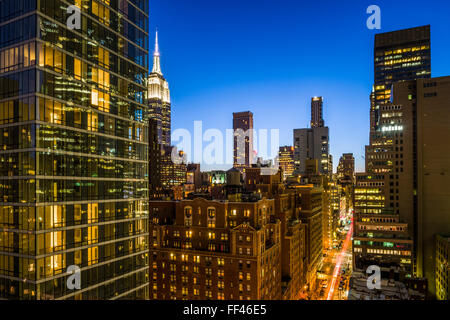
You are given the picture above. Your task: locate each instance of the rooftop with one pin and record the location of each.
(390, 289)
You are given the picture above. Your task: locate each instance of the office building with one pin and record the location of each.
(321, 182)
(442, 267)
(398, 55)
(74, 159)
(419, 175)
(243, 140)
(155, 159)
(327, 215)
(286, 161)
(173, 168)
(310, 214)
(410, 161)
(346, 169)
(293, 245)
(369, 194)
(312, 144)
(381, 239)
(317, 112)
(403, 101)
(335, 207)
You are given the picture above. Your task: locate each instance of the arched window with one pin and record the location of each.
(188, 212)
(211, 217)
(211, 213)
(188, 216)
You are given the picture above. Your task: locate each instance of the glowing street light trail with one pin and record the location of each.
(337, 269)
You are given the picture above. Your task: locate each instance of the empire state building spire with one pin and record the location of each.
(158, 87)
(156, 60)
(158, 95)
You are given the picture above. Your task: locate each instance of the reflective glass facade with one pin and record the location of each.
(399, 55)
(73, 149)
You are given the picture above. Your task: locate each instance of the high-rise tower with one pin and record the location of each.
(164, 172)
(419, 180)
(243, 139)
(313, 143)
(317, 112)
(73, 174)
(403, 102)
(399, 55)
(159, 98)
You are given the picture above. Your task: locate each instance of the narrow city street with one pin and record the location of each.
(336, 268)
(333, 278)
(338, 287)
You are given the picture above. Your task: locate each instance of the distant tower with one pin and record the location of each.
(159, 98)
(312, 143)
(286, 160)
(346, 169)
(317, 112)
(243, 129)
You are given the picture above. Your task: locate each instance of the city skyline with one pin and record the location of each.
(292, 77)
(300, 151)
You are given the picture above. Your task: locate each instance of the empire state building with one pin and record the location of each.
(159, 99)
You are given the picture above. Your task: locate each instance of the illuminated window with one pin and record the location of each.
(101, 12)
(77, 69)
(94, 97)
(211, 213)
(92, 255)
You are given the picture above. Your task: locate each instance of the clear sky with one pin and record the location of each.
(272, 56)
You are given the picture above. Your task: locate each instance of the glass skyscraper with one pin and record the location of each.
(398, 56)
(73, 149)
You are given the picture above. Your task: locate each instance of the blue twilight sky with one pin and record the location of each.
(272, 56)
